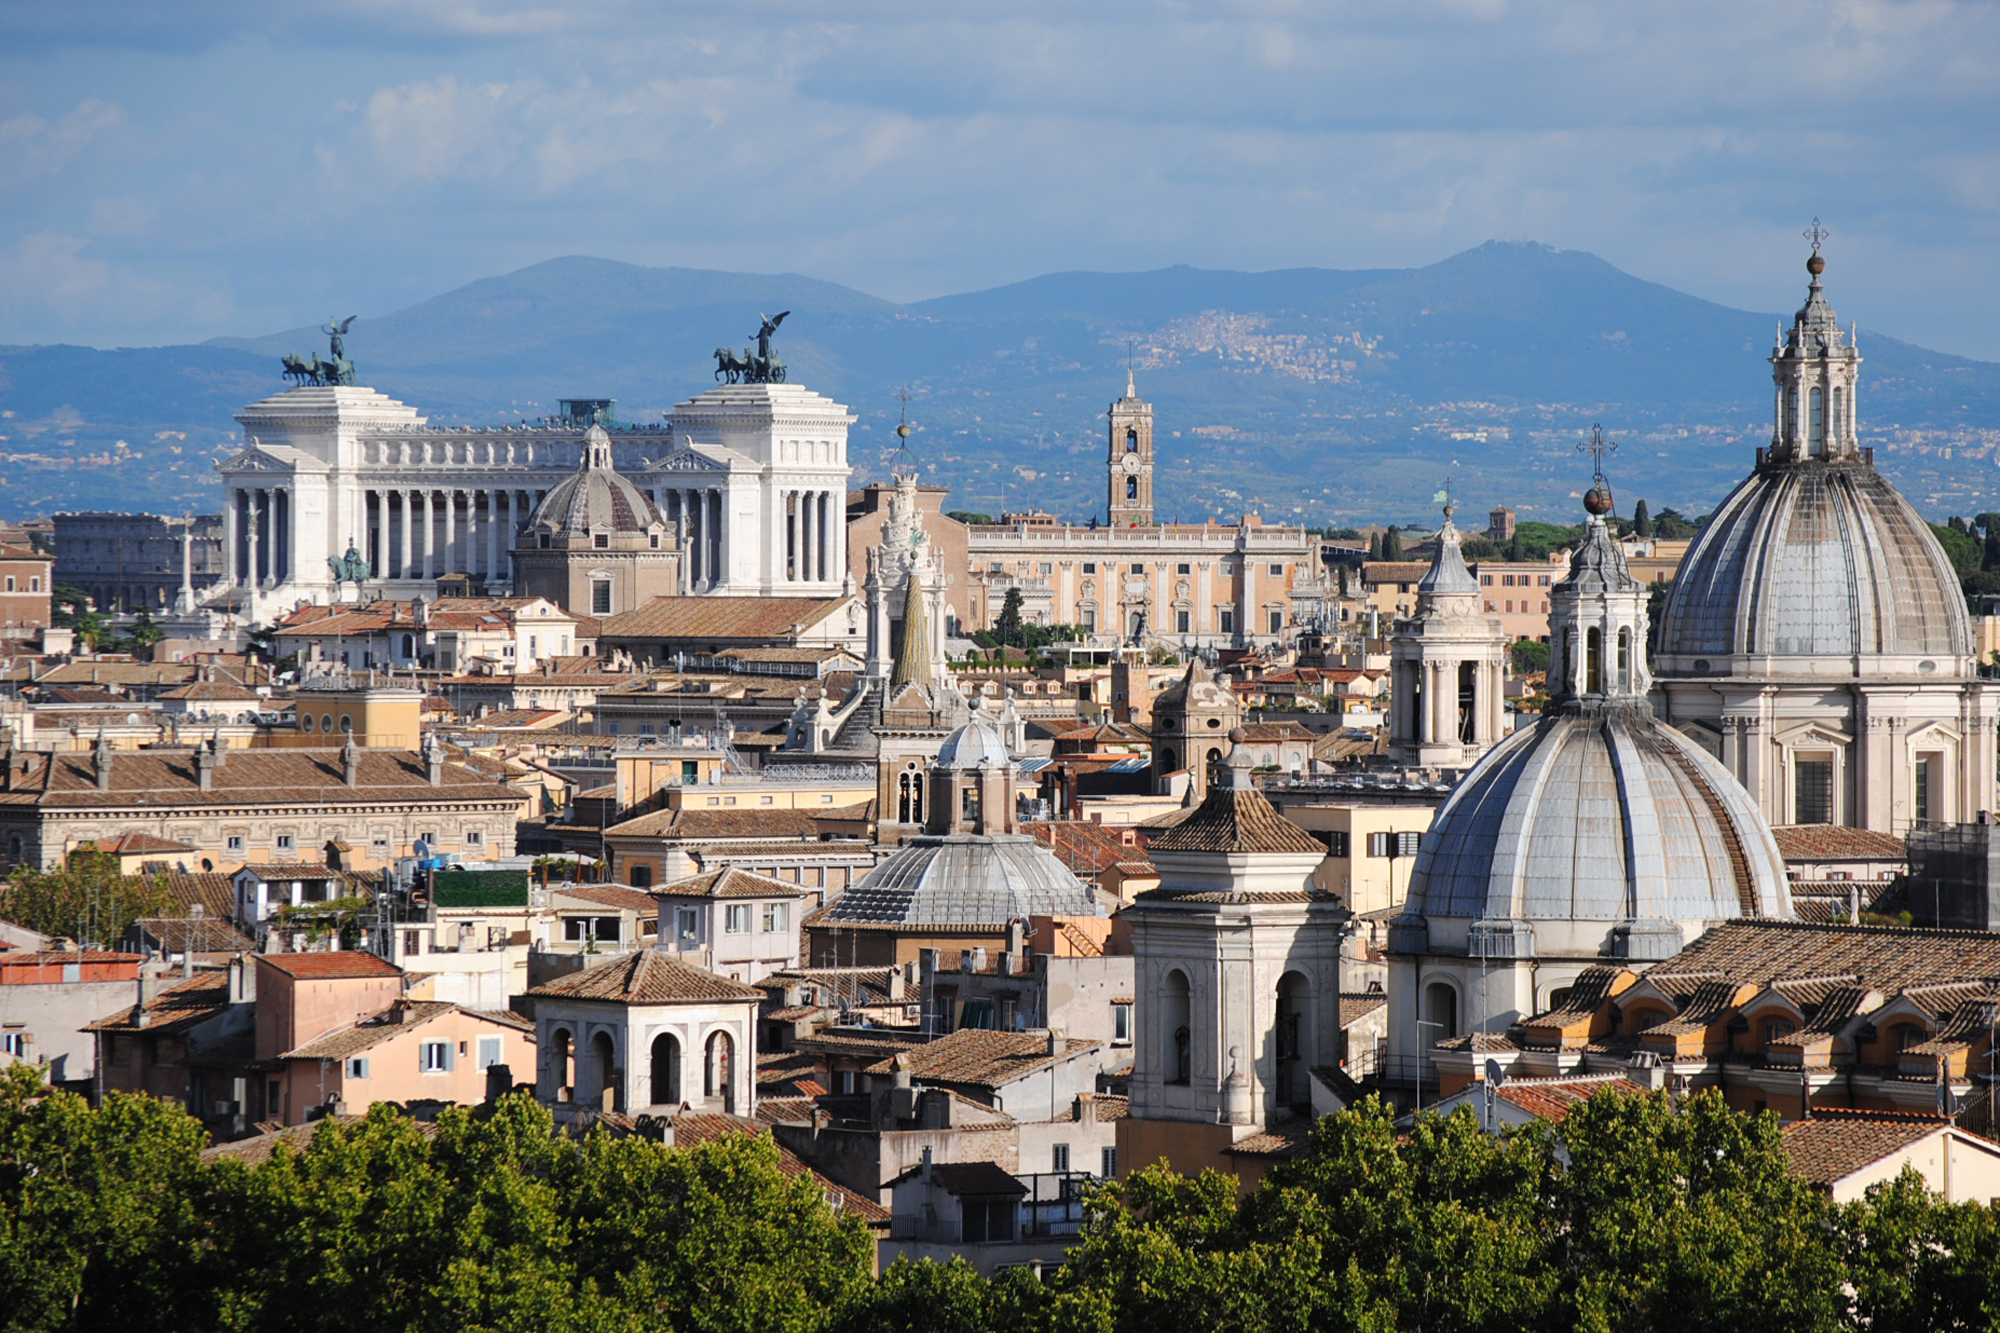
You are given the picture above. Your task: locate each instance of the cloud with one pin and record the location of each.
(31, 147)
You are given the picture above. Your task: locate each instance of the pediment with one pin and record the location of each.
(692, 457)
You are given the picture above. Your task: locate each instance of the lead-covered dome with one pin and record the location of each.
(964, 879)
(595, 499)
(1814, 558)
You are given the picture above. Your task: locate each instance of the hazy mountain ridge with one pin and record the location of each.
(1317, 394)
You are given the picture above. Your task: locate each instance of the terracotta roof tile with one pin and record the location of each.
(1837, 842)
(1552, 1099)
(200, 997)
(1833, 1145)
(980, 1058)
(1885, 958)
(720, 618)
(167, 778)
(329, 966)
(610, 895)
(968, 1178)
(1354, 1007)
(647, 976)
(692, 1128)
(1230, 820)
(1285, 1141)
(728, 882)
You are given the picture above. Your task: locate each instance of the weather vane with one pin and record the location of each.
(1816, 234)
(1597, 447)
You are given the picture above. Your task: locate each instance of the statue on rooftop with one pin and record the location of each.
(763, 366)
(301, 371)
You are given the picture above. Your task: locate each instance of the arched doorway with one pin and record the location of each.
(1176, 1030)
(719, 1079)
(1440, 1008)
(666, 1070)
(1292, 1038)
(603, 1072)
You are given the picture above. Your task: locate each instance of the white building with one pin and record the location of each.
(751, 477)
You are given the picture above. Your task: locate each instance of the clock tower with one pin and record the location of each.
(1131, 459)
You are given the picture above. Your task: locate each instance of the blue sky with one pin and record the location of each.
(173, 172)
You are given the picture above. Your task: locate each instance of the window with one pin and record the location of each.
(1182, 620)
(14, 1044)
(1928, 805)
(1089, 621)
(1336, 844)
(1277, 571)
(1812, 790)
(1394, 844)
(284, 842)
(413, 942)
(489, 1052)
(1090, 566)
(1817, 424)
(1138, 569)
(600, 597)
(1109, 1160)
(435, 1057)
(1277, 622)
(235, 842)
(1225, 620)
(10, 583)
(1486, 580)
(642, 877)
(1131, 440)
(1121, 1021)
(35, 584)
(736, 920)
(473, 837)
(1177, 1018)
(776, 918)
(1046, 569)
(601, 540)
(357, 1067)
(685, 927)
(1059, 1157)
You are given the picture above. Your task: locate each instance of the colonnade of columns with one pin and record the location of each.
(696, 516)
(257, 535)
(1453, 702)
(424, 533)
(810, 518)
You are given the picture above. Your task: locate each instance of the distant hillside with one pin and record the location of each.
(1316, 394)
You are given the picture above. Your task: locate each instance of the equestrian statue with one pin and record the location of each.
(339, 370)
(763, 366)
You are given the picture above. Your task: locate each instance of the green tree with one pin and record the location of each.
(1517, 547)
(1374, 546)
(88, 899)
(1672, 526)
(1530, 658)
(1642, 522)
(144, 632)
(1918, 1263)
(1008, 627)
(1966, 555)
(970, 517)
(1392, 544)
(101, 1218)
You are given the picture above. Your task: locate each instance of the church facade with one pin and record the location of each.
(750, 480)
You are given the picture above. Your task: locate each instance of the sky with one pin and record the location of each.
(174, 172)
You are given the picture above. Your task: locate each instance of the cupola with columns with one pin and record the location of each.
(1447, 663)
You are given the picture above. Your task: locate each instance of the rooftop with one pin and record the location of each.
(1832, 1145)
(647, 977)
(981, 1058)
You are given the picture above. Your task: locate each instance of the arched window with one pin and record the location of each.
(603, 1073)
(1817, 426)
(1441, 1008)
(1625, 660)
(1131, 440)
(1839, 431)
(1131, 488)
(1293, 1040)
(1177, 1055)
(1169, 761)
(718, 1077)
(1792, 415)
(1593, 664)
(1565, 667)
(666, 1071)
(559, 1064)
(903, 798)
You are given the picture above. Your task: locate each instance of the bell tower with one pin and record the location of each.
(1131, 459)
(1814, 368)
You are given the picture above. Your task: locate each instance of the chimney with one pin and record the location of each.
(499, 1081)
(897, 981)
(1086, 1108)
(924, 1167)
(1058, 1044)
(239, 972)
(207, 758)
(434, 759)
(979, 959)
(1017, 936)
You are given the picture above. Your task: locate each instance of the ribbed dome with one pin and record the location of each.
(961, 880)
(979, 741)
(1599, 814)
(1814, 558)
(595, 498)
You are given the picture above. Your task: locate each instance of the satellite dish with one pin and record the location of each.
(1495, 1076)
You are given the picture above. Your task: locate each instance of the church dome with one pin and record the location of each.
(964, 879)
(1814, 558)
(1598, 830)
(595, 498)
(1815, 555)
(979, 741)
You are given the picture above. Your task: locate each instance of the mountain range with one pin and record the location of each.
(1318, 395)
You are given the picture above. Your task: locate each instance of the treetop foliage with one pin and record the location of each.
(1636, 1213)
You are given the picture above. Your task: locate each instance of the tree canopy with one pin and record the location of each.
(89, 899)
(1637, 1212)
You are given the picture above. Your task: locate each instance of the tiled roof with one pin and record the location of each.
(1284, 1141)
(609, 895)
(1112, 1108)
(720, 618)
(137, 844)
(980, 1058)
(1837, 842)
(1354, 1007)
(211, 891)
(1552, 1099)
(878, 1044)
(647, 977)
(195, 934)
(1394, 571)
(1833, 1145)
(330, 966)
(1886, 958)
(167, 778)
(201, 996)
(728, 882)
(732, 824)
(298, 870)
(967, 1179)
(1232, 820)
(824, 849)
(403, 1016)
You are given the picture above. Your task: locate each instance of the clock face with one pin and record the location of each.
(1131, 463)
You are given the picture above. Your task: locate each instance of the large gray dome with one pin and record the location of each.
(964, 879)
(595, 499)
(1814, 558)
(1601, 817)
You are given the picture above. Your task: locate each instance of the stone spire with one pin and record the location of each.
(1448, 576)
(1815, 367)
(913, 655)
(1597, 621)
(1447, 666)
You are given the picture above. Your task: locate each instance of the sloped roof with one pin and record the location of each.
(728, 882)
(1552, 1099)
(1235, 820)
(200, 997)
(647, 977)
(1837, 842)
(609, 895)
(967, 1178)
(346, 963)
(720, 618)
(1832, 1145)
(168, 778)
(981, 1058)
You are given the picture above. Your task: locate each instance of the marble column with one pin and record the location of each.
(448, 556)
(231, 533)
(407, 532)
(719, 534)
